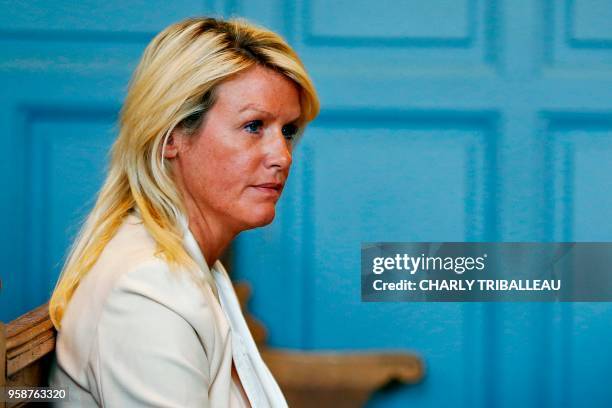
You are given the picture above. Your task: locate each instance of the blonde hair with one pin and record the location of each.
(173, 86)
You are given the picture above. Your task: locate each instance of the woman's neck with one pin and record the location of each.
(211, 237)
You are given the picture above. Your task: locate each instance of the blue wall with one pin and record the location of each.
(464, 120)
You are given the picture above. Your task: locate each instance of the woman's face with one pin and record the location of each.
(232, 171)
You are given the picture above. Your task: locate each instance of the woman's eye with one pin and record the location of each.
(289, 131)
(253, 126)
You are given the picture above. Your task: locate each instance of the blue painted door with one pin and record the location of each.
(442, 120)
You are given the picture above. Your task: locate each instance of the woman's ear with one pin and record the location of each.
(170, 149)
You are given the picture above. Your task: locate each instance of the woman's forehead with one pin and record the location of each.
(262, 90)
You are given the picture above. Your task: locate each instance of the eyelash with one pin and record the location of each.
(249, 126)
(288, 131)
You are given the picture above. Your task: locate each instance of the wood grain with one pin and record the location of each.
(28, 321)
(26, 348)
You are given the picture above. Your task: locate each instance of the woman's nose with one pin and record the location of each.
(278, 152)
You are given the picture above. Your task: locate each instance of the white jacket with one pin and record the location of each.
(136, 334)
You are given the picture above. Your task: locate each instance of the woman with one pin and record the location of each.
(146, 314)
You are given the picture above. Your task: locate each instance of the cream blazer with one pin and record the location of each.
(137, 334)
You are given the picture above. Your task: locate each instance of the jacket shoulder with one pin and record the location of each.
(129, 273)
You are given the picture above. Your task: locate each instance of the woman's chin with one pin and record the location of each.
(261, 217)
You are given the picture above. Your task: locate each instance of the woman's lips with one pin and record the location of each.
(269, 189)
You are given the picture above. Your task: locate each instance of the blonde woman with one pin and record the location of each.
(145, 312)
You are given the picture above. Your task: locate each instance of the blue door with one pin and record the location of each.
(442, 120)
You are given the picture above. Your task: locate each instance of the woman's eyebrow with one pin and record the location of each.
(251, 107)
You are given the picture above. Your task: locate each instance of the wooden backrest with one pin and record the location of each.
(328, 379)
(26, 346)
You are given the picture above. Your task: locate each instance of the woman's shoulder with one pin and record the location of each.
(131, 249)
(130, 262)
(128, 286)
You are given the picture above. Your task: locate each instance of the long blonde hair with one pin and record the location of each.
(173, 86)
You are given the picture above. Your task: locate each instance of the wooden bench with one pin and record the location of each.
(338, 380)
(26, 346)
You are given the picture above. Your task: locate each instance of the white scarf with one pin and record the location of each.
(257, 381)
